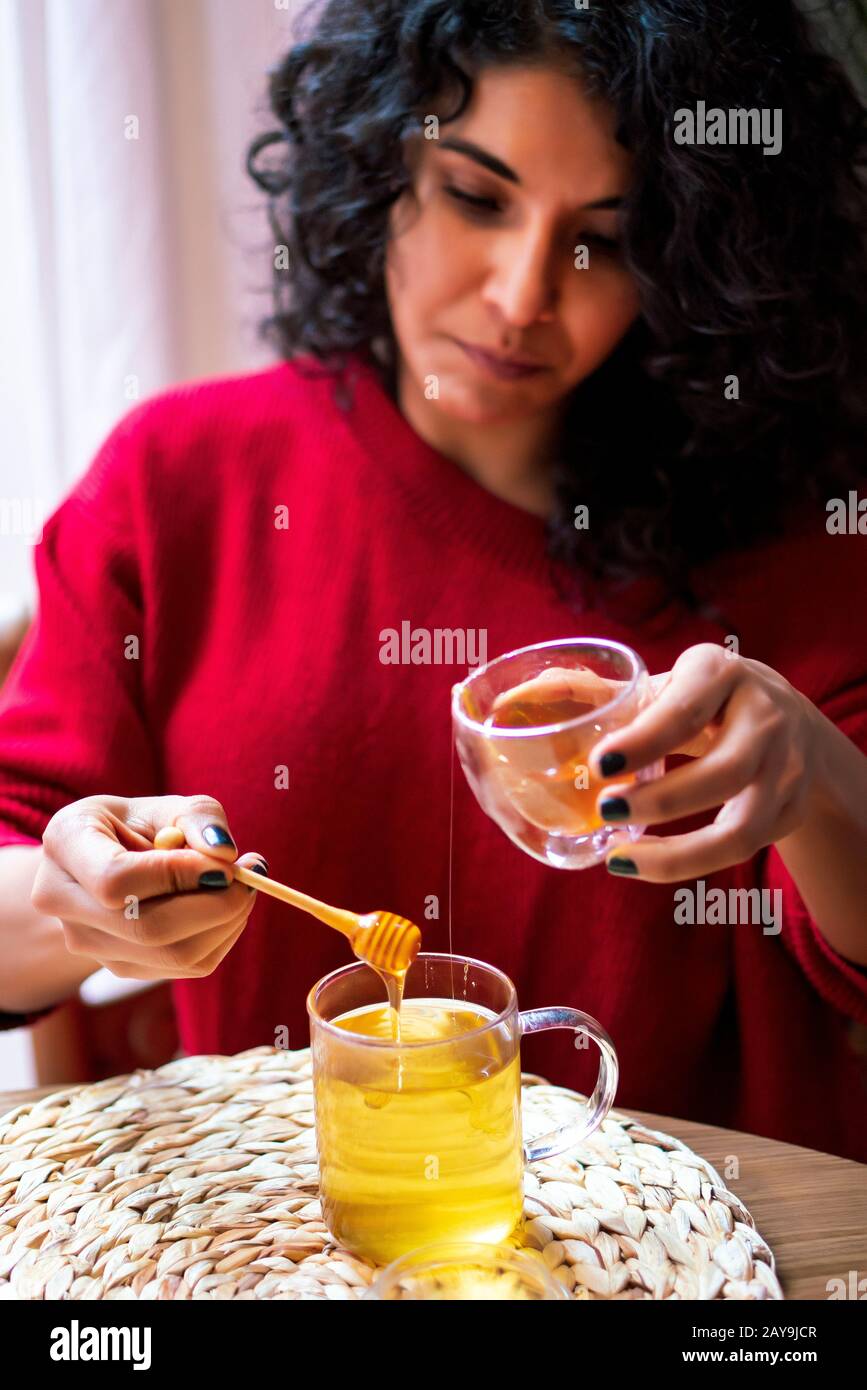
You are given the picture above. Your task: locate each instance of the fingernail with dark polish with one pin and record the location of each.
(214, 878)
(258, 869)
(614, 808)
(617, 864)
(217, 835)
(612, 763)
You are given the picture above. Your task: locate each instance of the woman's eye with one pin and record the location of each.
(474, 200)
(602, 243)
(476, 203)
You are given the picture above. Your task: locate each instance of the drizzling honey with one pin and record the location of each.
(394, 984)
(388, 944)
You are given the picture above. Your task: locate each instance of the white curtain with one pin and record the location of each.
(135, 248)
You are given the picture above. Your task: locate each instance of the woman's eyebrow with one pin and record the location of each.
(481, 156)
(503, 171)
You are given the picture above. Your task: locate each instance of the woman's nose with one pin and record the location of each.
(520, 284)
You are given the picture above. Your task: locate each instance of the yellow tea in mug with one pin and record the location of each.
(419, 1145)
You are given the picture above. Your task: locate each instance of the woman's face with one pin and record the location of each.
(482, 250)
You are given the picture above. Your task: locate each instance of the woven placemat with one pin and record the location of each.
(199, 1180)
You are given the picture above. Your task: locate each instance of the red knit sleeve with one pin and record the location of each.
(840, 982)
(71, 709)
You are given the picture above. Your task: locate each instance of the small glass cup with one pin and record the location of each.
(525, 725)
(466, 1271)
(421, 1142)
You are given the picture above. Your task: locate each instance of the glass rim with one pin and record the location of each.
(467, 721)
(360, 1040)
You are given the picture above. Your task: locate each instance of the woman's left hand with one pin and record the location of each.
(755, 741)
(778, 768)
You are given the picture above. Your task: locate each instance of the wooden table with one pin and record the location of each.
(810, 1207)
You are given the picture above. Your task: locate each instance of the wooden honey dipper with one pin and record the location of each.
(381, 939)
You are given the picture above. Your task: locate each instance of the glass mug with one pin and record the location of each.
(421, 1141)
(527, 759)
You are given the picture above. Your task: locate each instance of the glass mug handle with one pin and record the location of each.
(602, 1099)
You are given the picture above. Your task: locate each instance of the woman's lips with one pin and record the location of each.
(506, 369)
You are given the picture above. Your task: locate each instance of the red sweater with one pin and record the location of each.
(260, 650)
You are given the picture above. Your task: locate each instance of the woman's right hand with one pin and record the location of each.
(141, 912)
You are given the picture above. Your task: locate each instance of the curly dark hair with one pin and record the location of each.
(747, 264)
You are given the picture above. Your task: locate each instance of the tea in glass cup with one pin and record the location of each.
(525, 727)
(420, 1141)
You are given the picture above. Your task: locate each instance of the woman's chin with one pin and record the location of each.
(486, 405)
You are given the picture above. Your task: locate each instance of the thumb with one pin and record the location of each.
(116, 847)
(205, 827)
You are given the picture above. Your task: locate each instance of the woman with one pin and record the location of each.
(505, 293)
